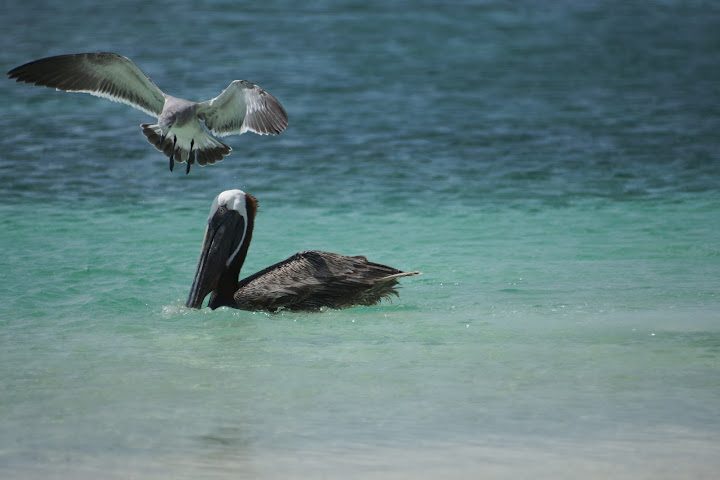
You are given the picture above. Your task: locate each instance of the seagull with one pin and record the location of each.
(179, 132)
(307, 281)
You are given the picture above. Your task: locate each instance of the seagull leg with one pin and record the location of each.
(172, 155)
(190, 156)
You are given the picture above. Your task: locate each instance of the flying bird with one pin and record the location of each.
(179, 132)
(307, 281)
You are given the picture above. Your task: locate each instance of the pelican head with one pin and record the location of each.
(224, 248)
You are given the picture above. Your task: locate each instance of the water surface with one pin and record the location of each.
(553, 171)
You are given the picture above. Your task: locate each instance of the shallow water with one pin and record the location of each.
(553, 172)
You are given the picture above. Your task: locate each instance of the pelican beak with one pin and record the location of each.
(219, 247)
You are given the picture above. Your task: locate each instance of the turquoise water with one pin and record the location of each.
(553, 172)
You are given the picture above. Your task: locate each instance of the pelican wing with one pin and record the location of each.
(313, 279)
(102, 74)
(242, 107)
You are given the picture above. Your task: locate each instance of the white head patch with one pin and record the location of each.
(230, 199)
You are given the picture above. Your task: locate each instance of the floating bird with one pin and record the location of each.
(306, 281)
(178, 133)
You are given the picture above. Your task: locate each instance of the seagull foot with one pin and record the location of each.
(191, 158)
(172, 155)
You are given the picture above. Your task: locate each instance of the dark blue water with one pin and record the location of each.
(552, 170)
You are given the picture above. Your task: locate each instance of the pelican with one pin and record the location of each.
(178, 133)
(307, 281)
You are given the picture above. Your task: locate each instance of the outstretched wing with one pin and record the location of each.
(242, 107)
(102, 74)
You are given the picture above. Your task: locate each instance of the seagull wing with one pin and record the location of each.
(242, 107)
(102, 74)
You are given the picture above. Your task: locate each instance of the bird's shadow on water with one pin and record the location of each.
(225, 437)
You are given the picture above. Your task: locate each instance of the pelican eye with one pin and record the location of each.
(222, 210)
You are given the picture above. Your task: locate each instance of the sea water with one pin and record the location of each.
(552, 169)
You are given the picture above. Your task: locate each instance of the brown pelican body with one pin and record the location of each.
(306, 281)
(179, 132)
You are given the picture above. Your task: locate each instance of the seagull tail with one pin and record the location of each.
(207, 148)
(154, 135)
